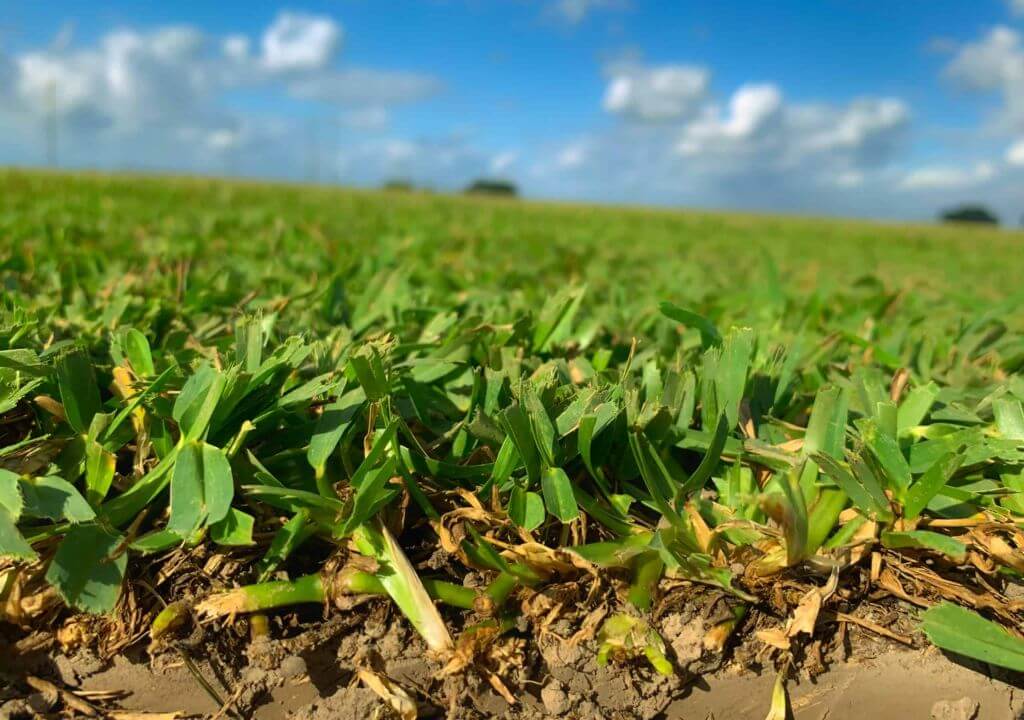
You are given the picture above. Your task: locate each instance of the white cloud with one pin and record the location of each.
(760, 132)
(995, 63)
(990, 63)
(503, 161)
(399, 150)
(753, 148)
(1015, 154)
(129, 79)
(365, 86)
(856, 125)
(223, 139)
(368, 118)
(849, 179)
(948, 177)
(752, 109)
(62, 40)
(236, 47)
(448, 162)
(297, 41)
(1016, 7)
(158, 98)
(572, 156)
(574, 12)
(659, 93)
(8, 73)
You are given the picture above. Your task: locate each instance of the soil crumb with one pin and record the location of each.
(351, 703)
(898, 685)
(314, 674)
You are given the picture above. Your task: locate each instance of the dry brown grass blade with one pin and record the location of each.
(972, 521)
(806, 614)
(27, 597)
(589, 627)
(860, 544)
(450, 530)
(714, 639)
(51, 406)
(390, 692)
(869, 625)
(229, 703)
(101, 695)
(891, 584)
(775, 637)
(500, 687)
(549, 562)
(1000, 550)
(70, 700)
(953, 590)
(898, 384)
(470, 645)
(746, 420)
(876, 566)
(700, 528)
(33, 642)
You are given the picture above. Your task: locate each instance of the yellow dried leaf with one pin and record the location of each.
(700, 528)
(715, 638)
(806, 614)
(51, 406)
(999, 549)
(391, 693)
(776, 637)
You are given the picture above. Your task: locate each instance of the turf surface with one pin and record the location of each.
(725, 399)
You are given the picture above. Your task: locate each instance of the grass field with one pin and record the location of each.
(529, 412)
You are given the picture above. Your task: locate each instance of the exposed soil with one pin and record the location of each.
(313, 673)
(864, 657)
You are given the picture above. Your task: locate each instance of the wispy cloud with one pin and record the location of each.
(948, 177)
(575, 12)
(160, 96)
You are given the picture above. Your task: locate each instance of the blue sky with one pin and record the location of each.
(885, 109)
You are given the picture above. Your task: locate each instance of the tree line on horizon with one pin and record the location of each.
(965, 213)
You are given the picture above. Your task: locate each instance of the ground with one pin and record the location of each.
(478, 338)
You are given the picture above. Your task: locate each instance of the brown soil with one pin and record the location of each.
(312, 674)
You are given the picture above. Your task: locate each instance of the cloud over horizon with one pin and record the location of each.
(158, 93)
(280, 99)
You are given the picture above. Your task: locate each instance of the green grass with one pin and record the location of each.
(186, 361)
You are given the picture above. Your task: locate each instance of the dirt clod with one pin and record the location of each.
(555, 699)
(292, 666)
(350, 703)
(963, 709)
(41, 702)
(66, 670)
(685, 637)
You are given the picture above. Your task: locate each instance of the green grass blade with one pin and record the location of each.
(967, 633)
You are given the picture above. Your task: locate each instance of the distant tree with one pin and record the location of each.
(970, 214)
(487, 186)
(399, 185)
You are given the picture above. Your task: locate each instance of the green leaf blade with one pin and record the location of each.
(558, 495)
